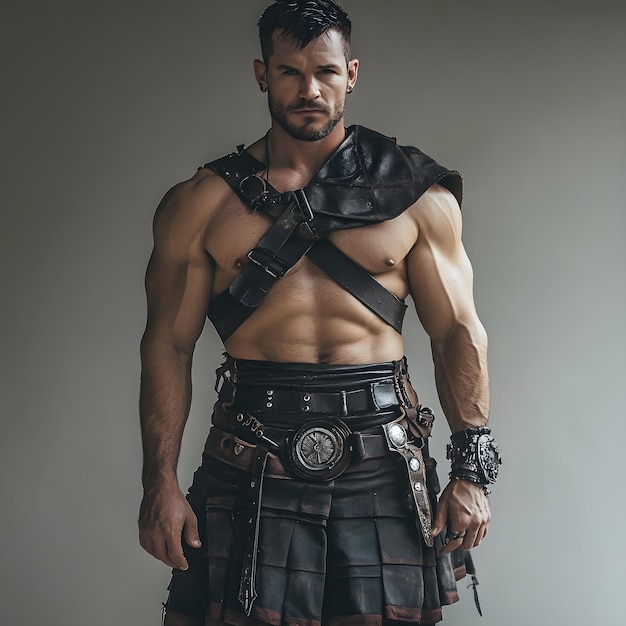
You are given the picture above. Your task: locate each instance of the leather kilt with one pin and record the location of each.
(344, 550)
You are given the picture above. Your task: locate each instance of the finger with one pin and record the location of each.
(440, 518)
(190, 531)
(146, 543)
(174, 553)
(482, 531)
(451, 545)
(470, 537)
(453, 538)
(155, 548)
(158, 550)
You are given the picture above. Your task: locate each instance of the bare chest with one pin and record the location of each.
(380, 248)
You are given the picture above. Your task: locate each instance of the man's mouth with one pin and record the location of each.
(309, 111)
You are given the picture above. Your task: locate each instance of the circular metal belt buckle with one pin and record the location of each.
(319, 450)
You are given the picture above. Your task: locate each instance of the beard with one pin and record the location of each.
(310, 129)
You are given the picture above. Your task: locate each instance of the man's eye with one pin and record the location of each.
(290, 72)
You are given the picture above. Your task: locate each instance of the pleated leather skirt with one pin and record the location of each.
(348, 551)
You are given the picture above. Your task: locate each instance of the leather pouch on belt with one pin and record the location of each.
(419, 419)
(397, 441)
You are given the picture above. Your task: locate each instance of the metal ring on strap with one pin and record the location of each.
(248, 187)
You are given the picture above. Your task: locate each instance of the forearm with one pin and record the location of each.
(461, 376)
(164, 404)
(463, 386)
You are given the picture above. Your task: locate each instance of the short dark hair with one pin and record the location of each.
(303, 21)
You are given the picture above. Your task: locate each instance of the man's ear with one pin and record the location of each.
(353, 72)
(260, 74)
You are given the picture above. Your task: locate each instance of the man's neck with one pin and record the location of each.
(288, 153)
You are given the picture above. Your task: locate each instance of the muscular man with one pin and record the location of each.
(315, 502)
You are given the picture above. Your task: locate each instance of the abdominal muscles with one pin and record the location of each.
(308, 318)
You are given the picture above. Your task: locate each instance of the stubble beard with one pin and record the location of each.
(306, 132)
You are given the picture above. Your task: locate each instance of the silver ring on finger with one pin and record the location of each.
(452, 535)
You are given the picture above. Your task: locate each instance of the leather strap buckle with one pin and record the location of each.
(303, 205)
(269, 262)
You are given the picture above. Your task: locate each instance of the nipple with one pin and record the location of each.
(239, 263)
(389, 262)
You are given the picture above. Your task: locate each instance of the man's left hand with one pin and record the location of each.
(464, 509)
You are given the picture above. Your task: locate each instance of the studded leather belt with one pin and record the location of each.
(372, 397)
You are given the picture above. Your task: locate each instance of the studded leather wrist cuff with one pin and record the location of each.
(474, 456)
(471, 478)
(465, 474)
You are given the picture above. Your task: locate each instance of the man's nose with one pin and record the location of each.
(309, 88)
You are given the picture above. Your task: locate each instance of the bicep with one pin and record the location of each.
(178, 280)
(439, 271)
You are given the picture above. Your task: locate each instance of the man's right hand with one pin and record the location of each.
(165, 519)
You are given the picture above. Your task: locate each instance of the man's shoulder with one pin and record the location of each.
(383, 141)
(384, 155)
(437, 214)
(194, 199)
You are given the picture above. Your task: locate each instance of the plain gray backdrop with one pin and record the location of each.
(105, 105)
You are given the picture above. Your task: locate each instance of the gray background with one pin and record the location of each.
(107, 104)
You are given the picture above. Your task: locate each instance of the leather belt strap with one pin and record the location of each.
(372, 397)
(237, 452)
(397, 440)
(247, 587)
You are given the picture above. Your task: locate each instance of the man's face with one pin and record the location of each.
(307, 88)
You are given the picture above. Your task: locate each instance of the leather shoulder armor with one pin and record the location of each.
(370, 179)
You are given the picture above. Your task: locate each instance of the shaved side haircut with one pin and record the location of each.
(303, 21)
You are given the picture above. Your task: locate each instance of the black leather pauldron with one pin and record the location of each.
(371, 179)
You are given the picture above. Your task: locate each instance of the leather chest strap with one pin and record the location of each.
(273, 257)
(356, 281)
(239, 170)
